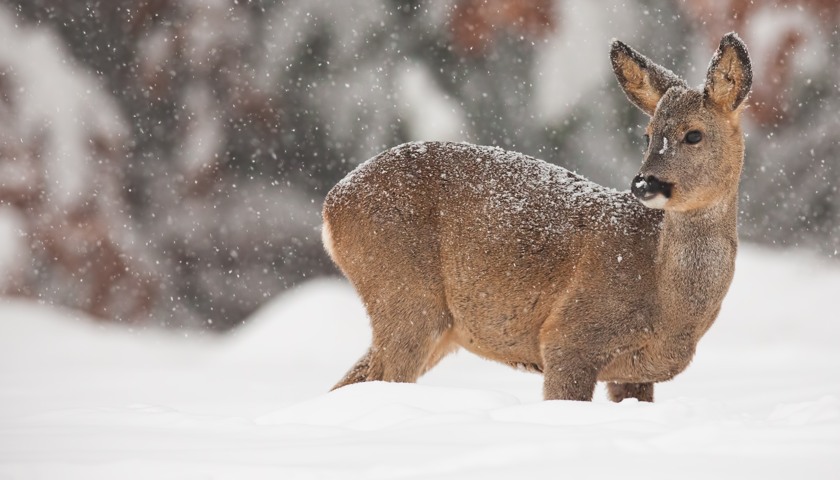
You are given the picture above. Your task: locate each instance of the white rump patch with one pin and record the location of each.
(327, 239)
(657, 202)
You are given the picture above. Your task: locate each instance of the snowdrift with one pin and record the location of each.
(84, 400)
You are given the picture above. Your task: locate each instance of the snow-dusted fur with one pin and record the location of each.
(454, 245)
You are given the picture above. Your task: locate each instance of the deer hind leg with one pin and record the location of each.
(410, 335)
(360, 372)
(641, 391)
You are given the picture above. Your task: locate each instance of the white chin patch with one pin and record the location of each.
(657, 202)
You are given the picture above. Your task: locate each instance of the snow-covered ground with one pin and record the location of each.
(81, 400)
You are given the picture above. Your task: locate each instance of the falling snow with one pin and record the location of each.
(175, 157)
(163, 167)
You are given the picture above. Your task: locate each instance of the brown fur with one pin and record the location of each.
(455, 245)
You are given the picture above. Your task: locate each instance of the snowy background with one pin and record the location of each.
(166, 308)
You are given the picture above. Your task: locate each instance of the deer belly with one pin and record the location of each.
(511, 337)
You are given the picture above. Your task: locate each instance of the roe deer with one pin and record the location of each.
(454, 245)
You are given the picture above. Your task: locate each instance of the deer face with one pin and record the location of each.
(695, 145)
(694, 154)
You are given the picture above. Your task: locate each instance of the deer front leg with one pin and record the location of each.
(568, 374)
(574, 350)
(641, 391)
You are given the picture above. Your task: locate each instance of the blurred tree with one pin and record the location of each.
(212, 129)
(791, 173)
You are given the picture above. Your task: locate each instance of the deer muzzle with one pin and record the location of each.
(651, 191)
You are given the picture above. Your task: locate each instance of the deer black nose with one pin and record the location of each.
(645, 188)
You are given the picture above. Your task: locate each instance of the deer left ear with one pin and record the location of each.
(729, 78)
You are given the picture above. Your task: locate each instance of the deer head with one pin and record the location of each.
(695, 147)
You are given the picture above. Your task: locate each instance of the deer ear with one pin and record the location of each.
(729, 78)
(643, 81)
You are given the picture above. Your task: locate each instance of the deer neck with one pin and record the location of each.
(695, 259)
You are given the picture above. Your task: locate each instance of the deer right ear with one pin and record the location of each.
(643, 81)
(729, 78)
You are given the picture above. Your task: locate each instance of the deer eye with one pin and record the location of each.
(693, 136)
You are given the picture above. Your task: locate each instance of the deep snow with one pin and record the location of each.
(81, 400)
